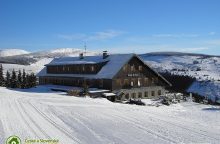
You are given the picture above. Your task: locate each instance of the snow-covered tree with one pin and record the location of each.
(24, 81)
(19, 82)
(1, 76)
(7, 80)
(32, 80)
(13, 80)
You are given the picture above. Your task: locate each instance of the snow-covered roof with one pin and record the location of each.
(114, 63)
(77, 60)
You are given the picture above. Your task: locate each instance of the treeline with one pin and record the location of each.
(17, 80)
(179, 83)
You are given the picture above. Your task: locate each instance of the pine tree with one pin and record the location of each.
(19, 82)
(24, 80)
(33, 80)
(13, 79)
(7, 81)
(28, 81)
(1, 76)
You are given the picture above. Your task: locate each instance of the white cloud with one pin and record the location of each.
(212, 33)
(103, 35)
(175, 35)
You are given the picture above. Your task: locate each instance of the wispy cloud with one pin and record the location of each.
(155, 48)
(193, 49)
(175, 35)
(102, 35)
(215, 42)
(211, 33)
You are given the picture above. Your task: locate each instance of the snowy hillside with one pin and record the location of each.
(38, 113)
(206, 69)
(34, 62)
(12, 52)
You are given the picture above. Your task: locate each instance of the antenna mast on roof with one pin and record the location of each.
(85, 48)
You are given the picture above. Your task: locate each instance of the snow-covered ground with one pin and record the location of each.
(38, 113)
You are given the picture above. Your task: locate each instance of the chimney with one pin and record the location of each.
(105, 54)
(81, 56)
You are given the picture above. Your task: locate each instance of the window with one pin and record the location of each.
(156, 80)
(118, 81)
(133, 95)
(159, 92)
(152, 81)
(139, 95)
(146, 81)
(146, 94)
(132, 68)
(92, 68)
(140, 68)
(152, 93)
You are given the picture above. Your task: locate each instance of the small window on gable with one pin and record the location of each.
(132, 68)
(140, 68)
(152, 80)
(146, 81)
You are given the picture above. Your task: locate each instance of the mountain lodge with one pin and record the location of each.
(124, 74)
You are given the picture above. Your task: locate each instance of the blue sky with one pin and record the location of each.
(115, 25)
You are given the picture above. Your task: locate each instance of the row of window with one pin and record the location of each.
(132, 68)
(146, 94)
(136, 81)
(72, 69)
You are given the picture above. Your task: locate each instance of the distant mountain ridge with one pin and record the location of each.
(29, 58)
(12, 52)
(177, 54)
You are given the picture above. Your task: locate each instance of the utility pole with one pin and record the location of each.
(85, 48)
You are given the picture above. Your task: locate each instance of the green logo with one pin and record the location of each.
(13, 140)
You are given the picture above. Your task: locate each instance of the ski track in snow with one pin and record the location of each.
(52, 115)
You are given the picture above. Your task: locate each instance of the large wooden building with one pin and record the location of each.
(120, 73)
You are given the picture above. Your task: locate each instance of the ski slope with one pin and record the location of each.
(38, 113)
